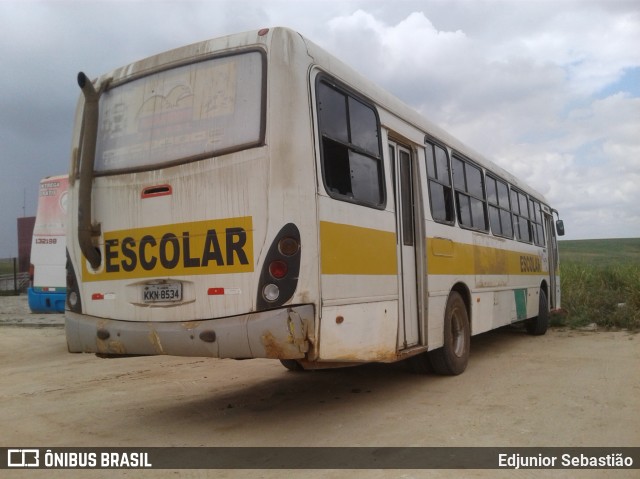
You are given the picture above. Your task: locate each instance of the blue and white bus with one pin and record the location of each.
(47, 292)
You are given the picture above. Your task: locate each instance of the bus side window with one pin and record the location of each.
(521, 222)
(440, 194)
(470, 198)
(536, 226)
(499, 209)
(351, 159)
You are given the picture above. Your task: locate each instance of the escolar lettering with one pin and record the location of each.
(215, 246)
(530, 264)
(171, 251)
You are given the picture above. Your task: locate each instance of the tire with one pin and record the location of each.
(538, 326)
(452, 358)
(292, 365)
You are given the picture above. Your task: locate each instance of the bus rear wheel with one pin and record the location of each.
(292, 365)
(538, 326)
(452, 358)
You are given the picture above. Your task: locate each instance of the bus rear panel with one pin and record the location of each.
(197, 249)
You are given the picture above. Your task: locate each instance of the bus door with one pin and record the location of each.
(552, 245)
(403, 178)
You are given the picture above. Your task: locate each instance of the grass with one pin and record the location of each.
(6, 266)
(600, 281)
(7, 271)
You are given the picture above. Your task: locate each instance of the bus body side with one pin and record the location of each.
(369, 312)
(47, 291)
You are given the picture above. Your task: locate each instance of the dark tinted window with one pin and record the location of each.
(365, 181)
(440, 194)
(536, 223)
(521, 222)
(499, 211)
(364, 127)
(350, 140)
(503, 194)
(457, 171)
(506, 223)
(474, 181)
(406, 194)
(332, 106)
(492, 192)
(469, 186)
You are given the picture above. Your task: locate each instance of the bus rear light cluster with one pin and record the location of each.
(73, 300)
(73, 292)
(279, 276)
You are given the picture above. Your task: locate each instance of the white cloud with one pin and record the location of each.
(526, 101)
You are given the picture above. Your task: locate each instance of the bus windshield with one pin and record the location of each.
(182, 114)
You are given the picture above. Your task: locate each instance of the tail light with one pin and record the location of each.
(73, 292)
(32, 273)
(278, 269)
(279, 276)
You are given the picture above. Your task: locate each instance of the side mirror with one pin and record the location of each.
(560, 227)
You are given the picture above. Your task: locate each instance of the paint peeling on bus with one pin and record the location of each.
(109, 346)
(290, 342)
(276, 348)
(156, 342)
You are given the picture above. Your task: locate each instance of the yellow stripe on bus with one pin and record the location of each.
(354, 250)
(445, 256)
(348, 249)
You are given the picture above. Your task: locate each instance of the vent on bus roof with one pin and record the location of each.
(159, 190)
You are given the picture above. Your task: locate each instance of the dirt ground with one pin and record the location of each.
(565, 389)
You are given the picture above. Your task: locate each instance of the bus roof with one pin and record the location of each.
(397, 107)
(320, 57)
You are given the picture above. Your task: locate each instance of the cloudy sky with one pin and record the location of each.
(548, 89)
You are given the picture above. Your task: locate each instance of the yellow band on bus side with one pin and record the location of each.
(448, 257)
(348, 249)
(201, 247)
(354, 250)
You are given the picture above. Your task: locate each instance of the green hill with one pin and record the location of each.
(601, 252)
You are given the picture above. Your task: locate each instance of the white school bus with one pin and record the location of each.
(253, 197)
(47, 291)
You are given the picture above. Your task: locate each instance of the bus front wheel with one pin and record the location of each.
(453, 356)
(538, 326)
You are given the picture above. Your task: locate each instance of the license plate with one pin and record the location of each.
(162, 293)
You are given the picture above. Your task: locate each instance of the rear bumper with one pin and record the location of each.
(46, 301)
(279, 334)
